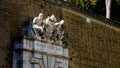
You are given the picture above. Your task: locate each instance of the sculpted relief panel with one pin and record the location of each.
(41, 46)
(44, 61)
(28, 55)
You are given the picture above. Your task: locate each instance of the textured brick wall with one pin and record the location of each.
(92, 45)
(13, 14)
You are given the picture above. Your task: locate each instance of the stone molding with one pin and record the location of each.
(27, 54)
(37, 46)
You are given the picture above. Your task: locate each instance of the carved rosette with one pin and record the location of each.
(48, 29)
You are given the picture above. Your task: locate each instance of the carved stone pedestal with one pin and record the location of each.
(32, 53)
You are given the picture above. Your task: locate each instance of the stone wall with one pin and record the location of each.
(13, 15)
(93, 44)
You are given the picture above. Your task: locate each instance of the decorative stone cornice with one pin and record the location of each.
(31, 53)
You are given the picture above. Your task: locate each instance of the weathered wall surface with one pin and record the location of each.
(13, 14)
(91, 45)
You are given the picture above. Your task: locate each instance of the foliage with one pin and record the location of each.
(118, 2)
(86, 4)
(98, 6)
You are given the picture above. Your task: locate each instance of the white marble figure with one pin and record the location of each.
(59, 24)
(37, 21)
(39, 27)
(47, 20)
(52, 21)
(48, 29)
(52, 17)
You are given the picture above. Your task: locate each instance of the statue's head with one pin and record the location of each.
(40, 14)
(52, 17)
